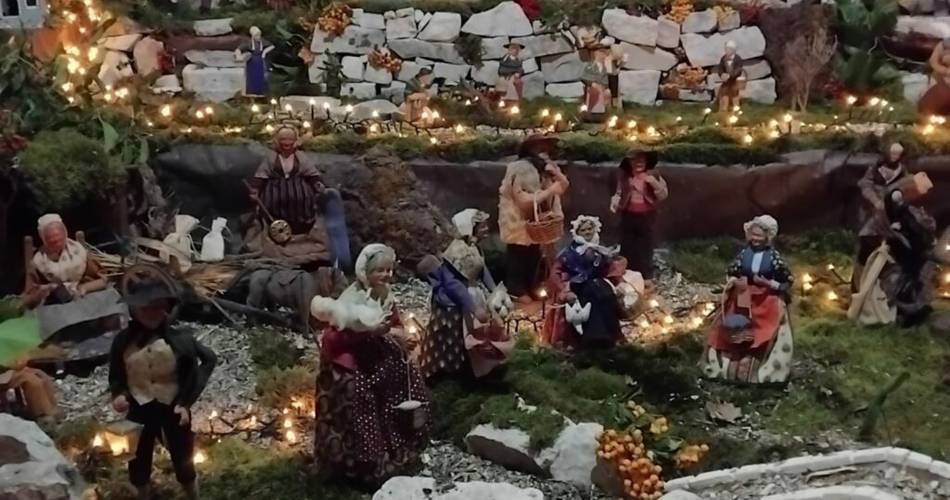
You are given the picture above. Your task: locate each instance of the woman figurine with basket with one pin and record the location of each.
(529, 213)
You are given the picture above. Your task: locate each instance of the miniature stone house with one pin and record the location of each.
(22, 14)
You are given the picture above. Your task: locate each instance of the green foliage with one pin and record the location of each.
(74, 434)
(277, 387)
(67, 168)
(25, 90)
(464, 7)
(271, 349)
(10, 307)
(704, 135)
(592, 148)
(470, 48)
(542, 424)
(860, 65)
(556, 13)
(704, 260)
(717, 154)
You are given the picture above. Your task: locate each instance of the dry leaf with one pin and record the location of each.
(724, 411)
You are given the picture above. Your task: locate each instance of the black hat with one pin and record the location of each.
(649, 156)
(424, 71)
(537, 142)
(144, 292)
(514, 44)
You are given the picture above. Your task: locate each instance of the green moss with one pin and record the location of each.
(66, 168)
(704, 260)
(10, 307)
(271, 349)
(543, 424)
(277, 387)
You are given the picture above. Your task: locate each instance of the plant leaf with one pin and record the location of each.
(110, 137)
(144, 152)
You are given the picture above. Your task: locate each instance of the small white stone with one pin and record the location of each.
(368, 20)
(381, 76)
(573, 90)
(494, 48)
(870, 456)
(400, 27)
(359, 90)
(562, 68)
(703, 21)
(352, 67)
(639, 86)
(712, 478)
(166, 84)
(213, 27)
(442, 27)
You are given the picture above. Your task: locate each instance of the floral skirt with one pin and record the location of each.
(360, 434)
(443, 348)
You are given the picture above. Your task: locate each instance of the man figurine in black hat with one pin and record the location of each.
(156, 374)
(417, 98)
(509, 86)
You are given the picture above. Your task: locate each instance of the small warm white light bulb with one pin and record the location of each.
(326, 105)
(199, 458)
(558, 117)
(433, 141)
(832, 296)
(166, 111)
(459, 128)
(545, 113)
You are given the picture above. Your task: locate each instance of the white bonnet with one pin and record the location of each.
(730, 44)
(371, 256)
(466, 220)
(586, 219)
(897, 148)
(46, 220)
(765, 222)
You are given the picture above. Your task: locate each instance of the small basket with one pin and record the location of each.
(546, 228)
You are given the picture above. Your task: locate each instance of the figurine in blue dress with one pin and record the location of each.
(254, 55)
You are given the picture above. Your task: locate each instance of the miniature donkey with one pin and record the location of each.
(271, 287)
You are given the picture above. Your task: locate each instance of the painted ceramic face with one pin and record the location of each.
(153, 315)
(286, 142)
(381, 274)
(894, 155)
(587, 231)
(757, 237)
(639, 165)
(514, 50)
(54, 239)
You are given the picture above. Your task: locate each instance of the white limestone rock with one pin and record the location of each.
(453, 73)
(364, 110)
(694, 95)
(730, 21)
(443, 27)
(639, 86)
(506, 447)
(317, 69)
(494, 48)
(562, 68)
(166, 84)
(505, 19)
(530, 65)
(213, 84)
(757, 69)
(409, 70)
(572, 90)
(533, 85)
(545, 45)
(368, 20)
(641, 30)
(938, 27)
(213, 27)
(122, 43)
(917, 6)
(639, 57)
(213, 58)
(439, 51)
(401, 27)
(704, 21)
(359, 90)
(352, 67)
(680, 495)
(354, 40)
(424, 488)
(381, 76)
(395, 92)
(915, 84)
(487, 73)
(761, 91)
(572, 457)
(34, 468)
(115, 67)
(147, 54)
(708, 50)
(667, 33)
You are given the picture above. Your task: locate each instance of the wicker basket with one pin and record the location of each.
(546, 228)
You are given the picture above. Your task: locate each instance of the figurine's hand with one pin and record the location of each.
(120, 404)
(481, 314)
(614, 204)
(758, 280)
(183, 415)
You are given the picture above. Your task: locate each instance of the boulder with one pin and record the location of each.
(562, 68)
(368, 20)
(530, 65)
(443, 27)
(914, 84)
(533, 85)
(730, 21)
(487, 73)
(572, 457)
(453, 73)
(400, 27)
(439, 51)
(708, 50)
(359, 90)
(704, 21)
(147, 54)
(213, 84)
(123, 43)
(213, 27)
(166, 84)
(938, 27)
(354, 40)
(761, 91)
(409, 70)
(377, 75)
(573, 90)
(641, 30)
(213, 58)
(424, 488)
(505, 19)
(395, 92)
(545, 45)
(352, 67)
(757, 69)
(115, 67)
(506, 447)
(639, 57)
(667, 33)
(494, 47)
(31, 468)
(639, 86)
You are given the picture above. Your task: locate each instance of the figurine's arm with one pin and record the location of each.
(868, 191)
(660, 189)
(118, 378)
(96, 280)
(207, 360)
(936, 61)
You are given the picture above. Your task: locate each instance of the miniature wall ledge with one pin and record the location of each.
(894, 457)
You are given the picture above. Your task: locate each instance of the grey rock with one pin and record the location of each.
(395, 92)
(443, 27)
(424, 488)
(317, 69)
(562, 68)
(167, 84)
(667, 33)
(364, 110)
(704, 21)
(533, 85)
(641, 30)
(639, 57)
(115, 67)
(400, 27)
(730, 21)
(32, 467)
(453, 73)
(639, 86)
(359, 90)
(914, 84)
(573, 90)
(573, 455)
(506, 447)
(439, 51)
(122, 43)
(409, 70)
(708, 50)
(213, 58)
(353, 40)
(213, 84)
(377, 75)
(505, 19)
(761, 91)
(494, 47)
(146, 54)
(530, 65)
(213, 27)
(680, 495)
(487, 73)
(917, 6)
(545, 45)
(368, 20)
(938, 27)
(352, 67)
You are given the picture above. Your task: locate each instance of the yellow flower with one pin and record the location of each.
(658, 427)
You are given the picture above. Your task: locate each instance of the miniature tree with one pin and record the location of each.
(804, 58)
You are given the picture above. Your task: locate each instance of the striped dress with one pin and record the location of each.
(292, 197)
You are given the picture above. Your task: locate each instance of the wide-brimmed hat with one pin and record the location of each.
(649, 156)
(514, 44)
(537, 142)
(424, 71)
(148, 290)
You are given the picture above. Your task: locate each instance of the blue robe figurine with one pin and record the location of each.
(255, 70)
